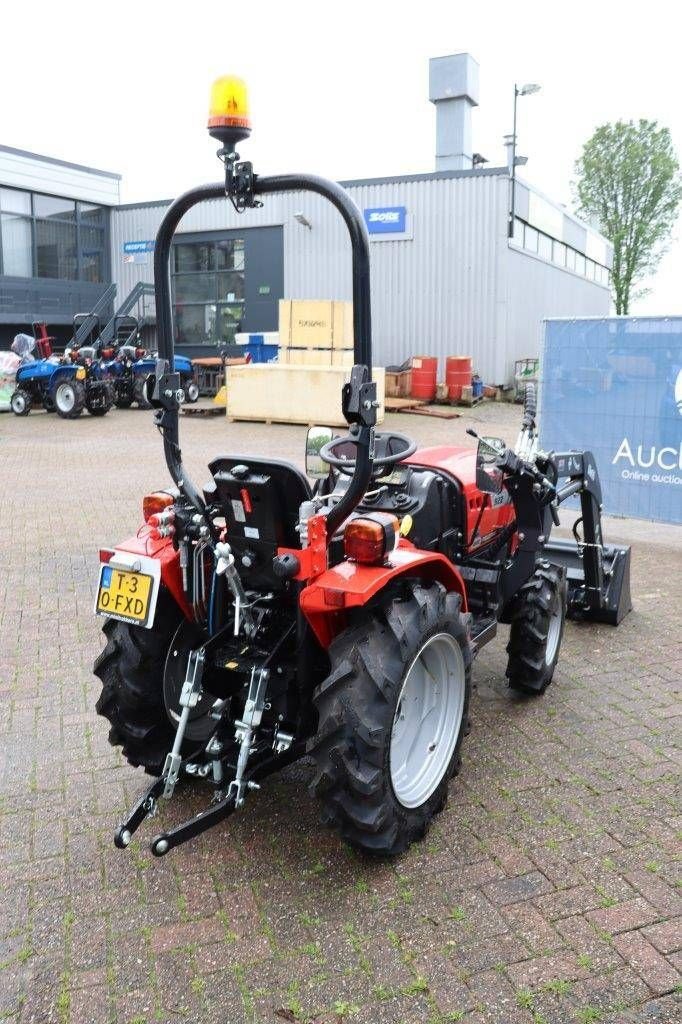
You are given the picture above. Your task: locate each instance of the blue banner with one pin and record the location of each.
(385, 220)
(614, 387)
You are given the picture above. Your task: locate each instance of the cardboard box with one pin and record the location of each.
(279, 393)
(315, 323)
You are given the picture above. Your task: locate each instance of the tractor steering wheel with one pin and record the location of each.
(333, 452)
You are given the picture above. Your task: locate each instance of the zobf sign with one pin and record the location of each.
(614, 386)
(386, 220)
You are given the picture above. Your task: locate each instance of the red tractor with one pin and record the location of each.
(262, 618)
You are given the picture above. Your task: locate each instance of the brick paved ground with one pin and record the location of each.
(545, 893)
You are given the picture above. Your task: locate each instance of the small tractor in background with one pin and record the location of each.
(271, 614)
(34, 374)
(119, 362)
(79, 383)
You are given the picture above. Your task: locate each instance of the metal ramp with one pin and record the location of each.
(138, 304)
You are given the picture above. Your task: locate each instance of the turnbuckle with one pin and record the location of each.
(189, 698)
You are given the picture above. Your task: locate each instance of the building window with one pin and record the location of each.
(17, 250)
(545, 247)
(530, 239)
(208, 291)
(553, 250)
(15, 233)
(56, 252)
(52, 237)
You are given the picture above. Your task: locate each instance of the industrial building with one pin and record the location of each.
(447, 277)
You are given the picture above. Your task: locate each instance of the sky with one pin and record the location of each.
(339, 89)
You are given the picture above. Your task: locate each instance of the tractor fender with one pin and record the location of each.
(161, 549)
(62, 373)
(348, 585)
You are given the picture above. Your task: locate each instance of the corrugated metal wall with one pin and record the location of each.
(441, 292)
(537, 290)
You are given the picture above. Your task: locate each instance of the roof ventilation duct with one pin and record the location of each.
(453, 88)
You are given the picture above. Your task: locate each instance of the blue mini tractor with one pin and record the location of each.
(188, 383)
(79, 382)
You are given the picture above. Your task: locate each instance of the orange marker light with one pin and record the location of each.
(153, 504)
(228, 114)
(369, 539)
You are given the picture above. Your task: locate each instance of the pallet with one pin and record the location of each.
(203, 410)
(439, 414)
(469, 402)
(402, 404)
(270, 420)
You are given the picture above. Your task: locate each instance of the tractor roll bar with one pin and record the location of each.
(167, 382)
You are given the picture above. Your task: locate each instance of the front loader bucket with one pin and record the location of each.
(612, 601)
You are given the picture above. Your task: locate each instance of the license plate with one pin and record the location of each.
(128, 592)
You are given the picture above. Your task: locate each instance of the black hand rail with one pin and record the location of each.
(168, 419)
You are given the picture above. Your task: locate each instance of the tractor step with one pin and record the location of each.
(483, 631)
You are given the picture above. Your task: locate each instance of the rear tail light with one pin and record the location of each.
(369, 539)
(139, 352)
(153, 504)
(107, 353)
(105, 555)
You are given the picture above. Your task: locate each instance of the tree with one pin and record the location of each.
(628, 180)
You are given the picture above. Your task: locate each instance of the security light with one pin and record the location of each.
(528, 89)
(302, 219)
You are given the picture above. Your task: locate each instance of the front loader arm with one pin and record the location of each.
(598, 574)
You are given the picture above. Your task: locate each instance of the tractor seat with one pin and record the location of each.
(260, 499)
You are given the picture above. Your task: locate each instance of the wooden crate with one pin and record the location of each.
(277, 393)
(316, 357)
(305, 356)
(315, 323)
(399, 385)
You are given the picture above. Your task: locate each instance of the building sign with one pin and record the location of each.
(386, 220)
(614, 387)
(137, 252)
(132, 248)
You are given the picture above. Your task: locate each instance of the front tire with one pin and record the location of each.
(140, 394)
(191, 389)
(379, 785)
(21, 402)
(537, 616)
(69, 399)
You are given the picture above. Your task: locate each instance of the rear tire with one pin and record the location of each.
(21, 402)
(98, 410)
(131, 668)
(69, 399)
(359, 748)
(537, 616)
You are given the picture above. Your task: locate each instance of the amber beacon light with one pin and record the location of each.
(228, 115)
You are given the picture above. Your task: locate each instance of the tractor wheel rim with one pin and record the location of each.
(427, 720)
(18, 403)
(192, 392)
(553, 633)
(66, 398)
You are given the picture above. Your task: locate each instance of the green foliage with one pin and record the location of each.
(629, 181)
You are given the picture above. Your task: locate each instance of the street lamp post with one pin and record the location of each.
(523, 90)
